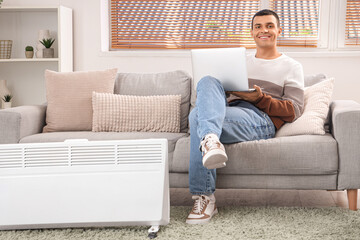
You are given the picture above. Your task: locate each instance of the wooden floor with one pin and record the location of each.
(261, 197)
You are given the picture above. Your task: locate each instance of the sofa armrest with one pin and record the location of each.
(345, 128)
(18, 122)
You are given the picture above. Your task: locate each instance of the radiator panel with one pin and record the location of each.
(84, 183)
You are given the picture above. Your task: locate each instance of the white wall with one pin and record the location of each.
(88, 55)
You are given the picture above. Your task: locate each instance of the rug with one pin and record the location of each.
(232, 222)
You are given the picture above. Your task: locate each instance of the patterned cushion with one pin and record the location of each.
(124, 113)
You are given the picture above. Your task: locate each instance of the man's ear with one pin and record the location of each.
(280, 31)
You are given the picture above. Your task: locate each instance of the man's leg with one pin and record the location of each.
(206, 118)
(201, 180)
(211, 104)
(242, 122)
(245, 122)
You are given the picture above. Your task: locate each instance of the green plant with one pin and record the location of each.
(29, 48)
(7, 98)
(47, 42)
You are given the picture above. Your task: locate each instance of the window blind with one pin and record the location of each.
(299, 20)
(352, 27)
(175, 24)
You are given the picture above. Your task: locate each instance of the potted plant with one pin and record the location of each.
(48, 52)
(7, 101)
(29, 52)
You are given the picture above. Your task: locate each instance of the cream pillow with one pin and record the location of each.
(316, 106)
(125, 113)
(69, 95)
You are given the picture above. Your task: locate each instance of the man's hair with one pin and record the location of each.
(265, 12)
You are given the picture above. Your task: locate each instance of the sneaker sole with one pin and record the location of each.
(201, 221)
(219, 165)
(215, 159)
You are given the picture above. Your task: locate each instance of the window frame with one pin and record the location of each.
(329, 39)
(340, 11)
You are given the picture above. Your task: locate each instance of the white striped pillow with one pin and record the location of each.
(316, 106)
(125, 113)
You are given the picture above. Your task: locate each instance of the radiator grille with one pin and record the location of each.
(45, 156)
(94, 155)
(143, 154)
(79, 155)
(11, 158)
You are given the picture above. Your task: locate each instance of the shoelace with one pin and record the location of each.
(200, 202)
(209, 142)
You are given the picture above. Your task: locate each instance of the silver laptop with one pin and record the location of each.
(228, 65)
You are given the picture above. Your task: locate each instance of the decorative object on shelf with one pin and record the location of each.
(48, 52)
(3, 90)
(5, 49)
(29, 52)
(1, 2)
(43, 34)
(6, 101)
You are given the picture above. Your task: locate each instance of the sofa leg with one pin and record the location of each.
(352, 198)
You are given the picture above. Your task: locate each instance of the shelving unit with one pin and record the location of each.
(25, 77)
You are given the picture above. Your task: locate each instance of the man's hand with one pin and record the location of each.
(252, 97)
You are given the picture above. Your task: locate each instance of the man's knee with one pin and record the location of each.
(208, 80)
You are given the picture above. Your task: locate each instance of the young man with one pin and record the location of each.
(244, 116)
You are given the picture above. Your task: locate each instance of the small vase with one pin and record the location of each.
(6, 105)
(48, 53)
(29, 54)
(43, 34)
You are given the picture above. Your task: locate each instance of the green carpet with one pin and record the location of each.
(231, 223)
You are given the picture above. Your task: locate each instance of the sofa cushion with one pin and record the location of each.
(99, 136)
(69, 95)
(316, 107)
(295, 155)
(168, 83)
(125, 113)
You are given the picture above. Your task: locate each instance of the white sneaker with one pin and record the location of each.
(203, 210)
(214, 155)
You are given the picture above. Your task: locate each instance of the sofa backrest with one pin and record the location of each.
(310, 80)
(167, 83)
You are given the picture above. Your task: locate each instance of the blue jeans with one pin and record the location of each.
(238, 121)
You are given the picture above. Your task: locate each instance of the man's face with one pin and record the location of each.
(265, 31)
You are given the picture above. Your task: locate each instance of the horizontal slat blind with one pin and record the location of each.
(150, 24)
(299, 20)
(352, 28)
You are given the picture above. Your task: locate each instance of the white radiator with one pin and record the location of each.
(80, 183)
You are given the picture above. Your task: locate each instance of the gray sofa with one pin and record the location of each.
(328, 162)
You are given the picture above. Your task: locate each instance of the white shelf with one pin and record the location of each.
(25, 76)
(30, 60)
(28, 9)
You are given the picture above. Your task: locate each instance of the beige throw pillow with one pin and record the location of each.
(125, 113)
(69, 96)
(316, 106)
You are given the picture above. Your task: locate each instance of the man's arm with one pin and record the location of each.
(287, 109)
